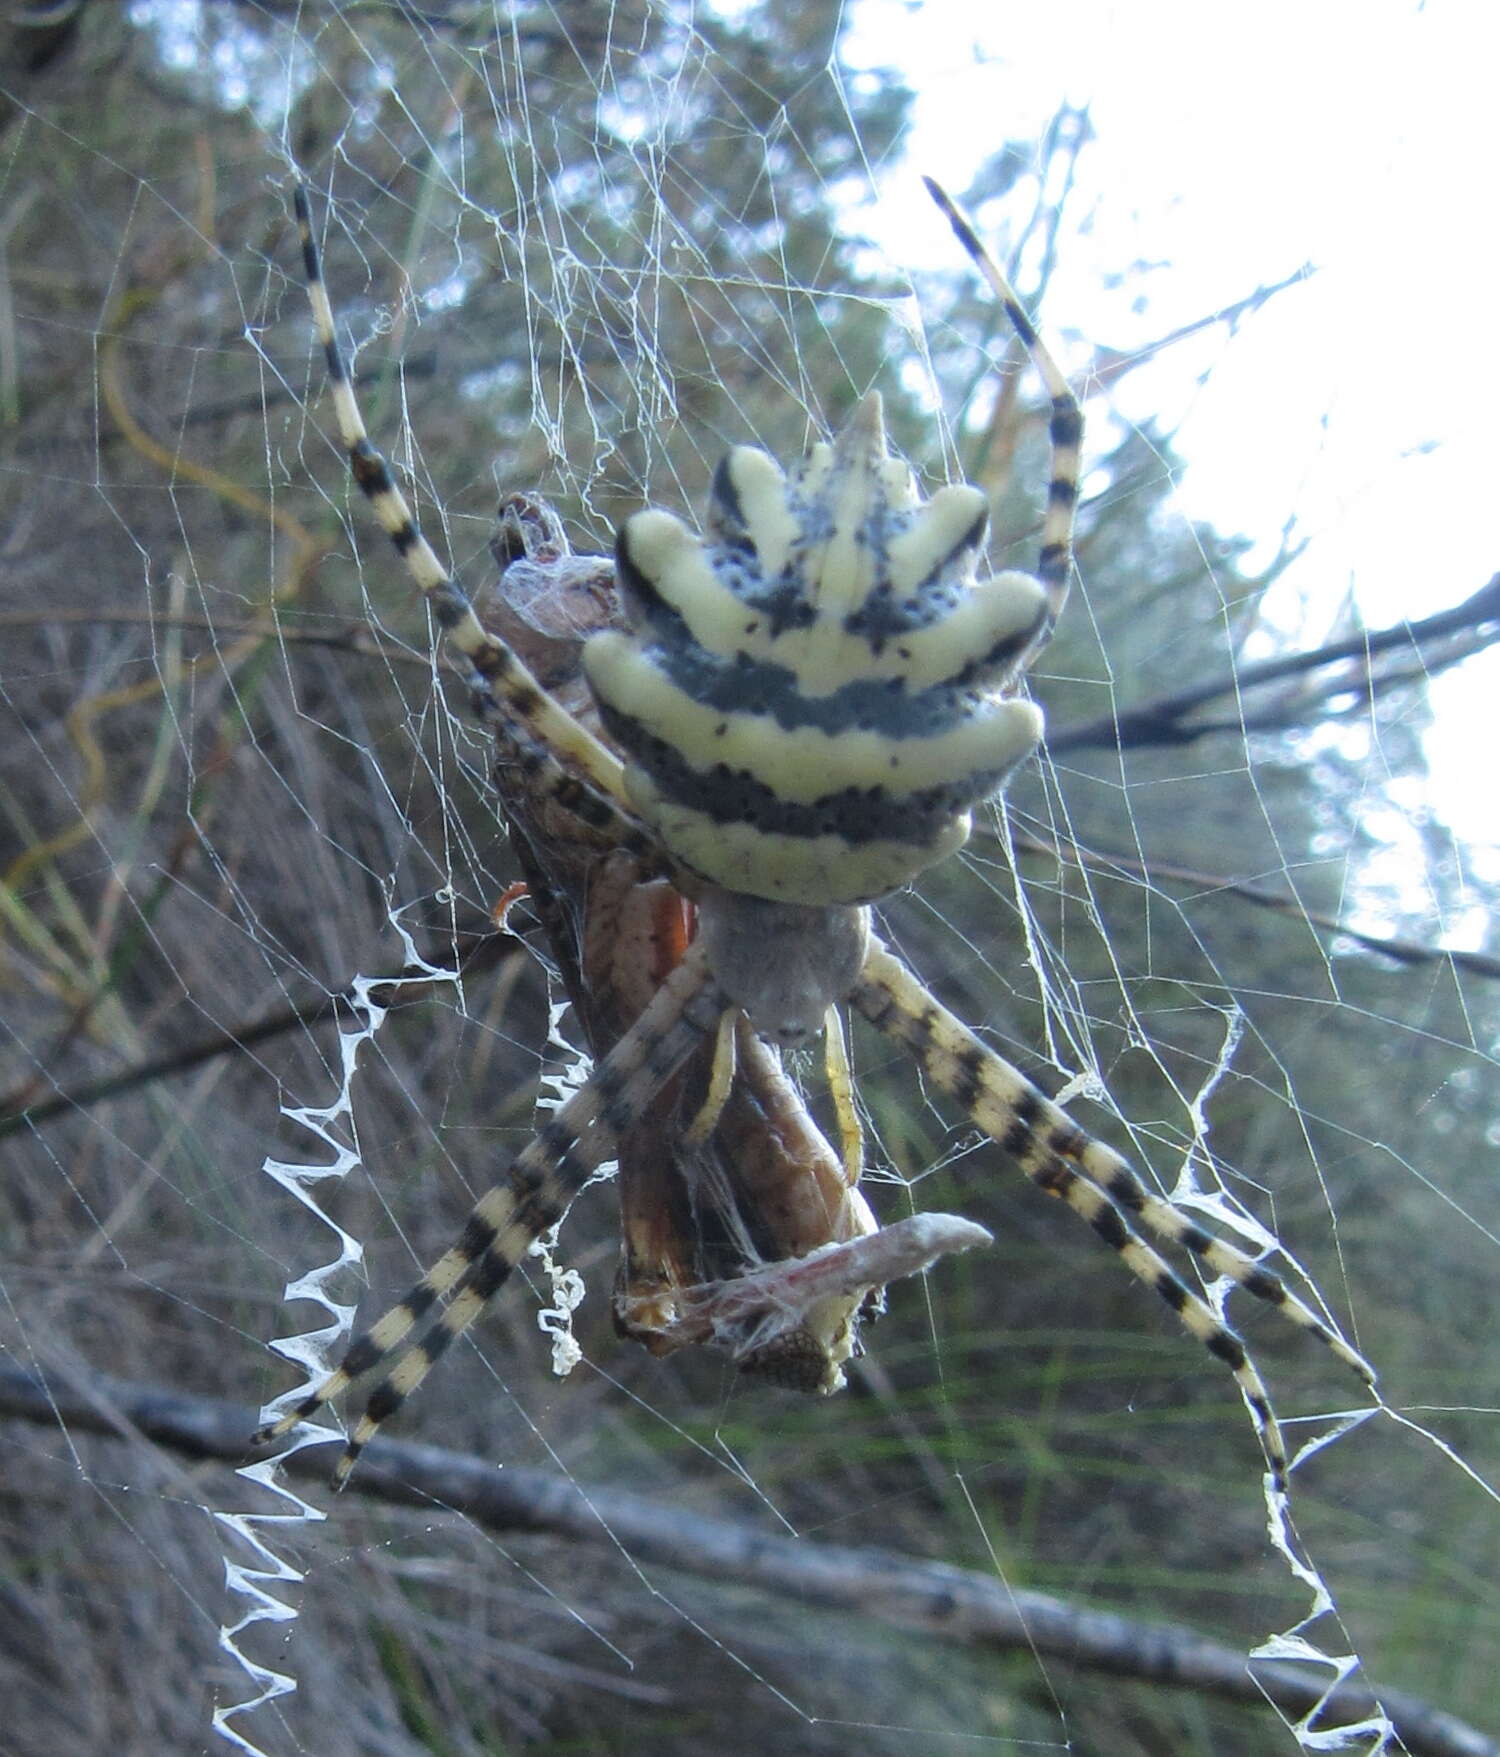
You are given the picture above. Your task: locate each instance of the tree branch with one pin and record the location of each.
(1470, 626)
(1111, 364)
(946, 1603)
(1153, 872)
(470, 952)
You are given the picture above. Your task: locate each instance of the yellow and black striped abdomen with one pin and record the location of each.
(810, 698)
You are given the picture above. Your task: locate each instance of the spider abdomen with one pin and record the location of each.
(811, 696)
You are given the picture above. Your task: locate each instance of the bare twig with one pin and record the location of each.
(470, 953)
(1111, 364)
(951, 1604)
(1262, 896)
(1470, 627)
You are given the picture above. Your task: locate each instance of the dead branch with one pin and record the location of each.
(944, 1603)
(1436, 641)
(1114, 863)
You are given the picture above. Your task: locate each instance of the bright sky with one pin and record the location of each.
(1233, 145)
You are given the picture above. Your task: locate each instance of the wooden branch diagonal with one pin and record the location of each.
(942, 1602)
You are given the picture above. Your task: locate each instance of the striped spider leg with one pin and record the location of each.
(540, 1184)
(1091, 1178)
(1058, 1156)
(563, 759)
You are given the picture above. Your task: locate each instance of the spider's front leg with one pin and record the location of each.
(563, 752)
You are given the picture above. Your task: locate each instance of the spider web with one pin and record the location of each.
(248, 925)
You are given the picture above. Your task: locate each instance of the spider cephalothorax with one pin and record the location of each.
(799, 711)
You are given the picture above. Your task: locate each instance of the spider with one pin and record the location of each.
(741, 1227)
(798, 715)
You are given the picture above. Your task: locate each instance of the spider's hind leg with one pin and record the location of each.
(1095, 1182)
(507, 1220)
